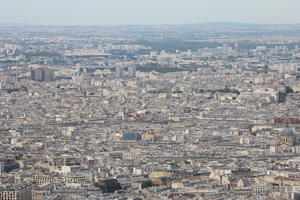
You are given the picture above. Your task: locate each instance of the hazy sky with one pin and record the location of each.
(113, 12)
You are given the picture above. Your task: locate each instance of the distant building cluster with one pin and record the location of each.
(120, 72)
(42, 74)
(200, 112)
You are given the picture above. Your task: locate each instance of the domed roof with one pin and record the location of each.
(287, 132)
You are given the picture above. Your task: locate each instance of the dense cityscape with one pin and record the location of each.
(201, 111)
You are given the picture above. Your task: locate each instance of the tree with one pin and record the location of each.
(147, 184)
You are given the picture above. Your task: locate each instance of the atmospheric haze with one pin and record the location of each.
(121, 12)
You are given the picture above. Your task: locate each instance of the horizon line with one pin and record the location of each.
(163, 24)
